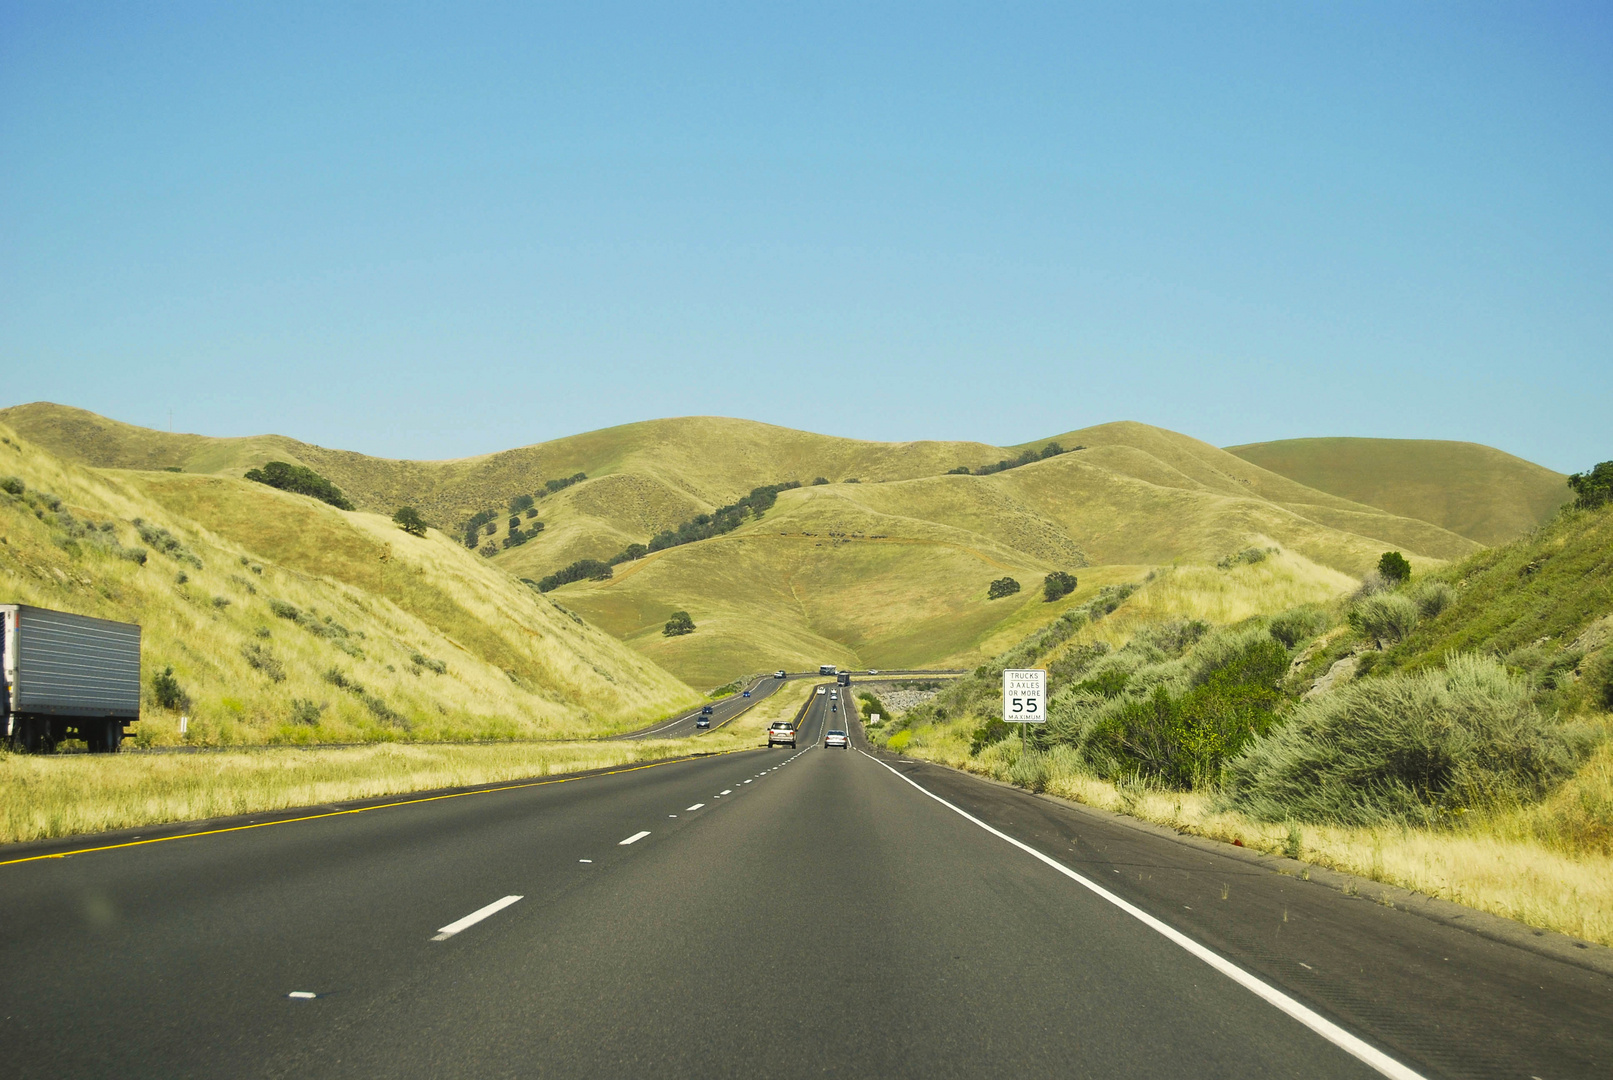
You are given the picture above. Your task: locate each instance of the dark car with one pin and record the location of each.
(702, 722)
(746, 694)
(705, 710)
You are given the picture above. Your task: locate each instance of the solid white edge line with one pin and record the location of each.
(1324, 1027)
(635, 838)
(446, 932)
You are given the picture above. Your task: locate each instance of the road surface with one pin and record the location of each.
(765, 913)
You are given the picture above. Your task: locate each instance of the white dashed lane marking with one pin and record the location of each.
(302, 995)
(446, 932)
(635, 838)
(696, 806)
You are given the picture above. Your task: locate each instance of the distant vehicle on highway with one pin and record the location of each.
(706, 710)
(746, 694)
(843, 678)
(823, 690)
(779, 674)
(702, 722)
(873, 671)
(781, 731)
(834, 693)
(836, 738)
(826, 669)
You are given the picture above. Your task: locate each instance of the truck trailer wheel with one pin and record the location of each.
(103, 737)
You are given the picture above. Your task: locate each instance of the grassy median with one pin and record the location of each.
(53, 795)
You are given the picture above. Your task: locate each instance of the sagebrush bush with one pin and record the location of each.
(1409, 747)
(1385, 617)
(1433, 597)
(1298, 624)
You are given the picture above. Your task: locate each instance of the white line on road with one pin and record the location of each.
(474, 917)
(1328, 1030)
(302, 995)
(747, 781)
(585, 860)
(635, 838)
(729, 791)
(696, 806)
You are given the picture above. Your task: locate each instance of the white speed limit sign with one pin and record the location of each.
(1024, 695)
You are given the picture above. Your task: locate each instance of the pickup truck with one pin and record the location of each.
(781, 731)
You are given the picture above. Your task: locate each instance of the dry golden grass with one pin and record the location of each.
(68, 794)
(1507, 864)
(1221, 597)
(1476, 491)
(516, 665)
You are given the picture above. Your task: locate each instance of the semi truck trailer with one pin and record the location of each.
(67, 676)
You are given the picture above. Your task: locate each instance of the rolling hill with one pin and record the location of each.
(284, 619)
(885, 563)
(1476, 491)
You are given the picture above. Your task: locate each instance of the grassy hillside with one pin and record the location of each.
(1476, 491)
(888, 570)
(1449, 734)
(286, 620)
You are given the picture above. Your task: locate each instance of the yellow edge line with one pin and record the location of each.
(363, 809)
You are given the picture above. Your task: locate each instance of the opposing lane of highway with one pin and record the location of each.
(804, 912)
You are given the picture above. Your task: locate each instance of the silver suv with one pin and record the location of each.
(781, 731)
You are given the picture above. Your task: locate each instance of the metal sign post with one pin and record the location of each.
(1024, 699)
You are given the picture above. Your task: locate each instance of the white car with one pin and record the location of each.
(873, 671)
(836, 738)
(822, 690)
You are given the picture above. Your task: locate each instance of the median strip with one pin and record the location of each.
(446, 932)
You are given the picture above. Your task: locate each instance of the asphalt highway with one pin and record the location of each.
(765, 913)
(731, 707)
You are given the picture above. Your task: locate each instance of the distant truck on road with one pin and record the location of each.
(67, 676)
(826, 669)
(843, 678)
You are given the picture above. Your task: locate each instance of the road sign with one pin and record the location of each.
(1025, 695)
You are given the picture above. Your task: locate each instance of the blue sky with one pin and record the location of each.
(439, 231)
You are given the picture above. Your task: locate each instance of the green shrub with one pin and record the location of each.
(285, 610)
(1593, 489)
(519, 503)
(992, 731)
(263, 660)
(1412, 747)
(300, 480)
(1433, 597)
(1175, 722)
(1246, 557)
(1385, 618)
(167, 692)
(423, 661)
(1058, 585)
(629, 554)
(961, 470)
(1003, 586)
(581, 570)
(1297, 624)
(306, 711)
(1394, 568)
(166, 542)
(680, 623)
(409, 520)
(12, 485)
